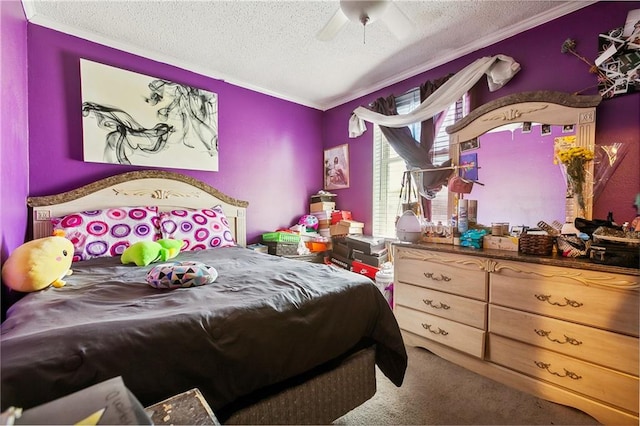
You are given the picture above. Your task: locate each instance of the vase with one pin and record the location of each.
(570, 207)
(574, 199)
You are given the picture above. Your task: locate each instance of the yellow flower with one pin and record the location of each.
(576, 153)
(574, 159)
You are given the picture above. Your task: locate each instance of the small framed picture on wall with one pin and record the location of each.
(469, 145)
(545, 129)
(336, 167)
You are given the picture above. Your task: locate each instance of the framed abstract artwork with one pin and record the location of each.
(336, 167)
(133, 119)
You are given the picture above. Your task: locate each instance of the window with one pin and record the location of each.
(389, 167)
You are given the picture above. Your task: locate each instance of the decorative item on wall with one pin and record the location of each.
(545, 129)
(619, 58)
(469, 165)
(336, 167)
(134, 119)
(469, 145)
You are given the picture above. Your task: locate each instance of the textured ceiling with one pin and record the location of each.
(271, 46)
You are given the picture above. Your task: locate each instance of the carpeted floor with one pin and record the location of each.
(438, 392)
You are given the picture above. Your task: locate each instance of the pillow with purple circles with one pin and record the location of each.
(199, 229)
(108, 232)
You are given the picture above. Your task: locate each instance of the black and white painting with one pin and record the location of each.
(130, 118)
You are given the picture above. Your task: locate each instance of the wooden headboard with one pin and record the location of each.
(167, 190)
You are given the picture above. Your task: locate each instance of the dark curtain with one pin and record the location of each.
(416, 154)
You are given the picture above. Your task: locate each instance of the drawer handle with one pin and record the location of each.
(441, 306)
(568, 302)
(567, 339)
(442, 277)
(440, 331)
(567, 373)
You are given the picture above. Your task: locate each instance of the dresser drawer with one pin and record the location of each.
(590, 344)
(461, 309)
(564, 293)
(606, 385)
(450, 333)
(462, 275)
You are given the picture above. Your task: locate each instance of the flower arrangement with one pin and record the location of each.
(574, 159)
(569, 46)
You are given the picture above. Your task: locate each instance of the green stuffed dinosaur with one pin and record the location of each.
(143, 253)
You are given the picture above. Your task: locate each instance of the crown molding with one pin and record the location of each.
(549, 15)
(543, 18)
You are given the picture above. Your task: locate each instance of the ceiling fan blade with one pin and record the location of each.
(397, 22)
(333, 27)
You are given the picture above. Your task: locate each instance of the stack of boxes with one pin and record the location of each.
(322, 206)
(363, 254)
(332, 222)
(346, 227)
(350, 248)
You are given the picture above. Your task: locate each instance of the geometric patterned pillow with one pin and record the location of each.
(198, 229)
(181, 274)
(108, 232)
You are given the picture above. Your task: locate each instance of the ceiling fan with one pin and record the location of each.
(366, 12)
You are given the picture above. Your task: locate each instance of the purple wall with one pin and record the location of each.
(270, 149)
(14, 141)
(528, 183)
(544, 67)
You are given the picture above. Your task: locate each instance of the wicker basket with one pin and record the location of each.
(541, 245)
(281, 249)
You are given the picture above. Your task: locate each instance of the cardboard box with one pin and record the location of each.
(367, 244)
(364, 269)
(315, 198)
(341, 249)
(322, 206)
(500, 243)
(109, 402)
(315, 246)
(323, 215)
(351, 223)
(340, 261)
(324, 224)
(280, 249)
(339, 215)
(341, 229)
(374, 260)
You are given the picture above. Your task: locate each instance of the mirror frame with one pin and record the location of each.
(545, 107)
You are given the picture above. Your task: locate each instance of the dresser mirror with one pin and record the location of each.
(513, 140)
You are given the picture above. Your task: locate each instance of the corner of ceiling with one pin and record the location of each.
(534, 21)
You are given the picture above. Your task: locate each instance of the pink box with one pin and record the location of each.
(339, 215)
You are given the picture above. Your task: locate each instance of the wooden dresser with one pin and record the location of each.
(565, 330)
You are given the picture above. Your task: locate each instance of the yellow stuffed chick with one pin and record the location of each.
(38, 264)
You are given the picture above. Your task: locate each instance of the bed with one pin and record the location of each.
(271, 341)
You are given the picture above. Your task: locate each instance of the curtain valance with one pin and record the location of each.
(499, 70)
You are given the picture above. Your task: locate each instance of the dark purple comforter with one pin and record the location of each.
(264, 320)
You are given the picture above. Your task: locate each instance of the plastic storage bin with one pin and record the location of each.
(281, 237)
(384, 281)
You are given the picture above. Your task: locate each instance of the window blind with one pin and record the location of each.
(389, 167)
